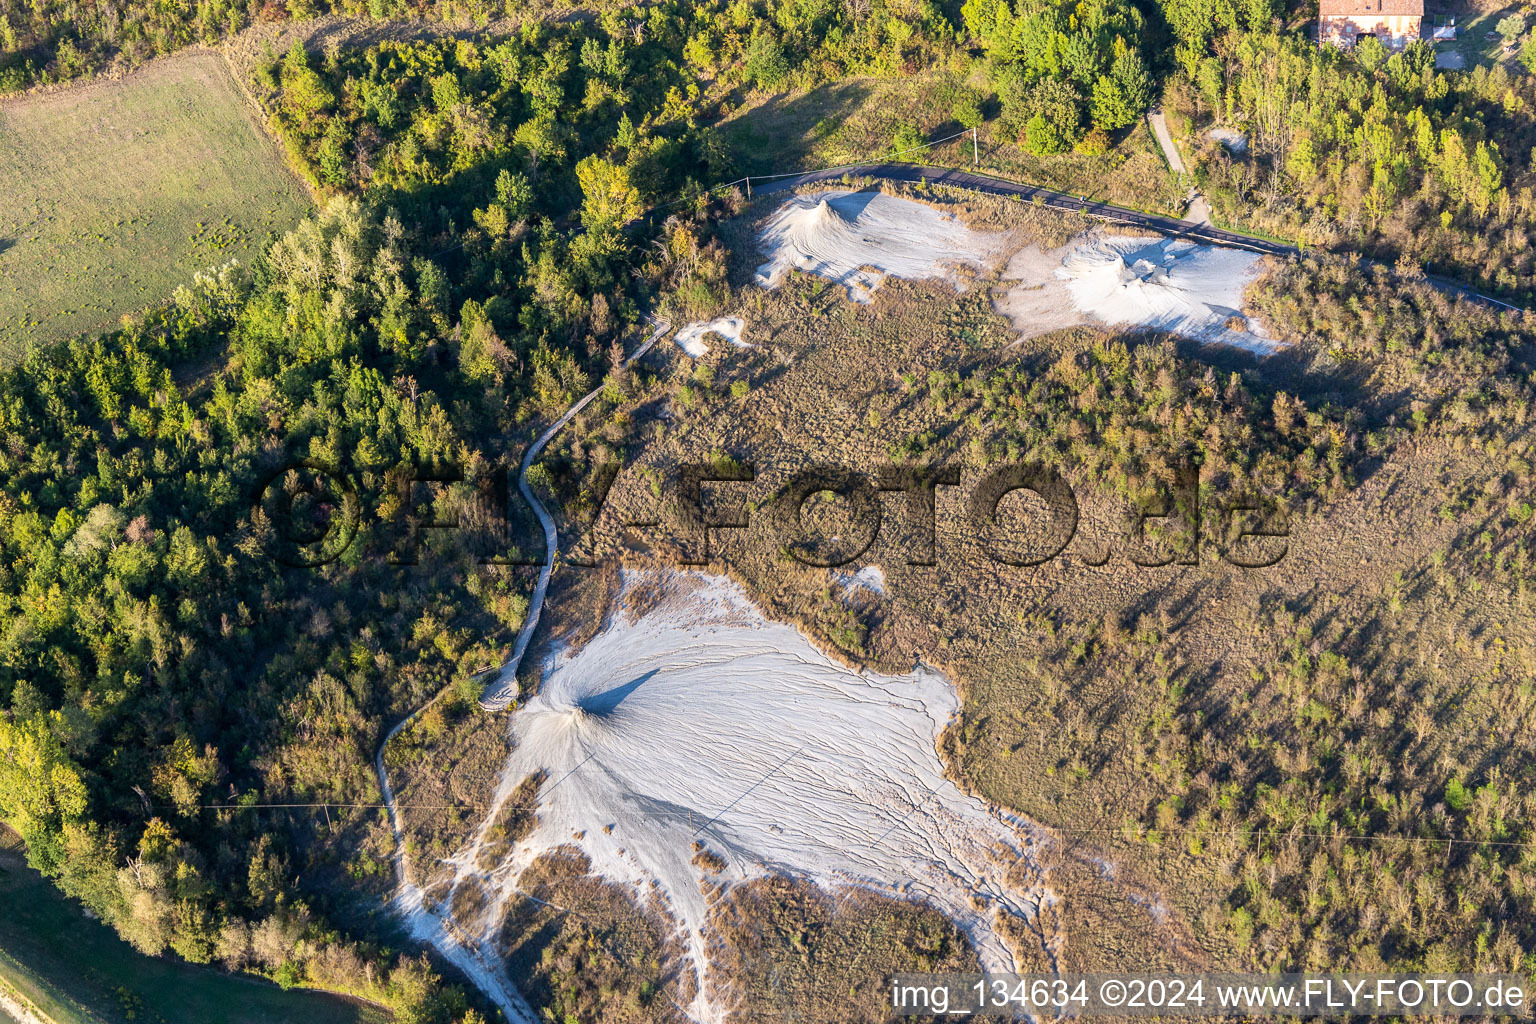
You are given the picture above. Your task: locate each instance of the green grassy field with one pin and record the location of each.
(1476, 43)
(77, 971)
(118, 191)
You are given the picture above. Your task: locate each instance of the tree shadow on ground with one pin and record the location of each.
(780, 134)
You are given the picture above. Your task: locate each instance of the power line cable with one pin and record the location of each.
(1125, 831)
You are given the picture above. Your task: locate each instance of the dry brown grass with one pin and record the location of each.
(707, 860)
(584, 950)
(514, 821)
(795, 952)
(444, 768)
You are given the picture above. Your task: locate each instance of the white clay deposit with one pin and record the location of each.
(871, 578)
(691, 338)
(1174, 286)
(1126, 281)
(1234, 140)
(857, 239)
(698, 719)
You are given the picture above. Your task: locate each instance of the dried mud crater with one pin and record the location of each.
(693, 744)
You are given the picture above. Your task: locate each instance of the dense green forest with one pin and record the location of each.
(522, 160)
(166, 667)
(160, 661)
(1061, 68)
(769, 42)
(1356, 151)
(170, 660)
(1366, 151)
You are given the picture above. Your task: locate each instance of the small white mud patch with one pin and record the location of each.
(1234, 140)
(698, 719)
(1165, 284)
(871, 578)
(1036, 299)
(691, 338)
(857, 239)
(474, 955)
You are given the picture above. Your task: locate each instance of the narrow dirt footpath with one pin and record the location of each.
(1165, 140)
(501, 691)
(1199, 210)
(425, 924)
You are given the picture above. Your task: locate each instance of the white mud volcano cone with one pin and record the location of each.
(1175, 286)
(1147, 272)
(701, 721)
(857, 239)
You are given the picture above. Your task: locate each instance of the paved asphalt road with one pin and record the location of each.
(1030, 193)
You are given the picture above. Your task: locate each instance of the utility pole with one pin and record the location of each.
(975, 150)
(749, 186)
